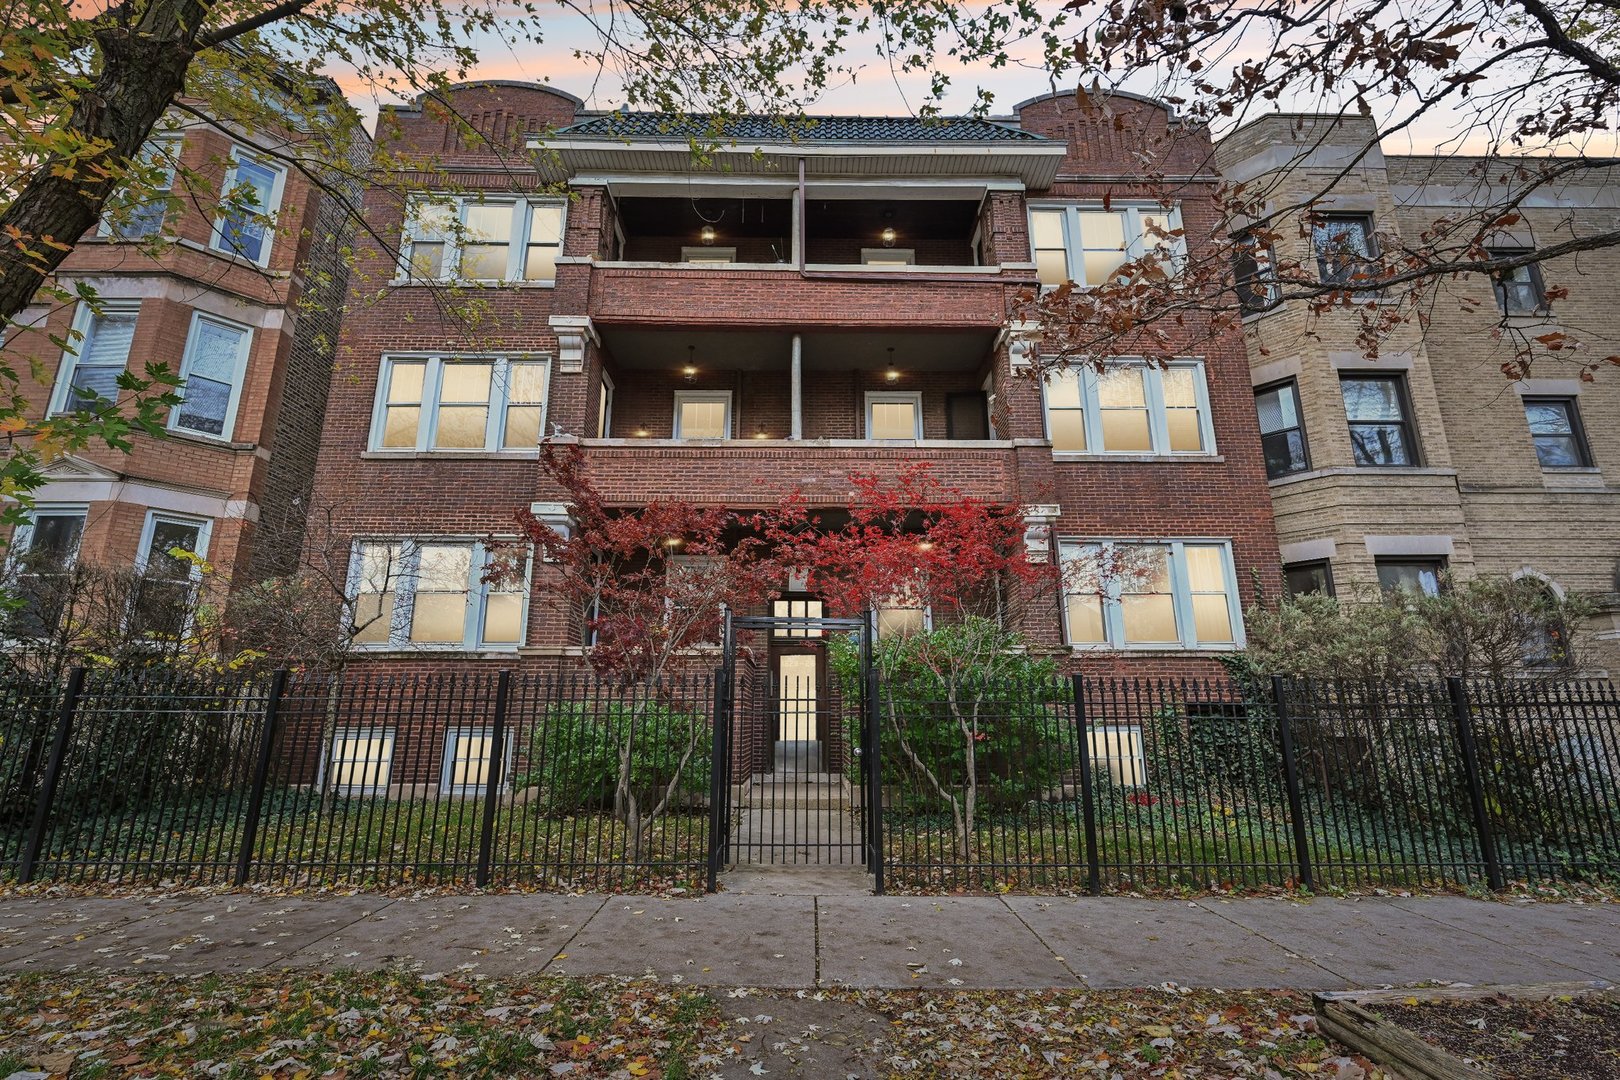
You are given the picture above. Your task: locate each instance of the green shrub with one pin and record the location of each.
(572, 760)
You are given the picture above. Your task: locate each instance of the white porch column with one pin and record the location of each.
(798, 388)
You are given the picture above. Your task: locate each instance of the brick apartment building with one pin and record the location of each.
(246, 314)
(821, 300)
(1386, 472)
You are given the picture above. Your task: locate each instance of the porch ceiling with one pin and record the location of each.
(772, 350)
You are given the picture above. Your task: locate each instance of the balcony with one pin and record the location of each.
(745, 417)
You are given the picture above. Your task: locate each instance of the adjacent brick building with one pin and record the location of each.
(821, 299)
(245, 308)
(1387, 471)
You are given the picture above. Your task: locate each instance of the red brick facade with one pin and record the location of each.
(642, 318)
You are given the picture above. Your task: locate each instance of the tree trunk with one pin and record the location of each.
(143, 69)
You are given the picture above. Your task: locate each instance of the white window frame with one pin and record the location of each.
(1136, 245)
(604, 406)
(682, 397)
(329, 765)
(149, 529)
(874, 397)
(243, 350)
(1180, 591)
(1158, 417)
(404, 589)
(523, 208)
(22, 538)
(708, 256)
(62, 399)
(427, 422)
(452, 737)
(216, 240)
(164, 148)
(905, 256)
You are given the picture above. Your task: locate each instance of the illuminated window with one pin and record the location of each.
(1172, 594)
(1129, 408)
(432, 594)
(894, 415)
(468, 757)
(482, 239)
(360, 761)
(460, 403)
(1088, 245)
(703, 414)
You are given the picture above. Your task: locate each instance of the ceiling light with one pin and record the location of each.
(888, 236)
(893, 374)
(691, 363)
(641, 432)
(926, 545)
(706, 234)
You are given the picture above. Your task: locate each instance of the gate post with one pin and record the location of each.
(719, 777)
(53, 773)
(874, 781)
(1087, 802)
(494, 779)
(1476, 788)
(1296, 803)
(261, 774)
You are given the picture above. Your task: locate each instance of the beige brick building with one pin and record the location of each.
(1429, 458)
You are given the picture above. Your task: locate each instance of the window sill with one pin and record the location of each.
(798, 444)
(450, 455)
(1156, 650)
(416, 652)
(232, 257)
(210, 440)
(475, 283)
(1105, 458)
(1578, 479)
(1362, 470)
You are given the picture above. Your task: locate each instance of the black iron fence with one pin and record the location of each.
(566, 781)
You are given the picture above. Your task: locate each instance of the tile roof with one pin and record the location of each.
(751, 128)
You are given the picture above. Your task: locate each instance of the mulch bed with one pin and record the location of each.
(1565, 1037)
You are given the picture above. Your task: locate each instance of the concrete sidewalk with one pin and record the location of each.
(793, 941)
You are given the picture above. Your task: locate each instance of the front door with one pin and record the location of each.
(799, 740)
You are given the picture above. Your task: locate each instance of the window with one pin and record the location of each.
(212, 370)
(893, 415)
(1089, 245)
(1519, 291)
(1345, 247)
(92, 364)
(604, 407)
(1256, 271)
(1129, 408)
(899, 617)
(1543, 635)
(1417, 576)
(168, 577)
(250, 198)
(468, 754)
(1379, 415)
(460, 403)
(1301, 579)
(432, 594)
(43, 551)
(1173, 594)
(1282, 433)
(359, 761)
(126, 218)
(491, 239)
(703, 414)
(1555, 428)
(797, 608)
(1117, 749)
(709, 256)
(888, 256)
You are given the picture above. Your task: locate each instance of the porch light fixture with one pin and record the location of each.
(893, 374)
(706, 234)
(674, 542)
(691, 363)
(888, 236)
(641, 432)
(760, 433)
(925, 545)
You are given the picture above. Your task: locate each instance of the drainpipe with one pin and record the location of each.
(798, 388)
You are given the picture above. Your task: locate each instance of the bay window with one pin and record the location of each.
(1282, 431)
(1088, 244)
(168, 567)
(1380, 418)
(1160, 594)
(1129, 408)
(432, 594)
(211, 372)
(129, 218)
(468, 238)
(428, 403)
(250, 199)
(91, 365)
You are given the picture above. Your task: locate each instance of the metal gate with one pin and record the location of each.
(794, 776)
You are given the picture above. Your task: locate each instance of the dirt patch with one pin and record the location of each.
(1565, 1037)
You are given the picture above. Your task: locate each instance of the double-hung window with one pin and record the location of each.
(1088, 245)
(1345, 248)
(1162, 594)
(1380, 418)
(468, 238)
(1130, 408)
(1519, 291)
(1304, 578)
(1418, 577)
(432, 594)
(1282, 432)
(128, 217)
(43, 551)
(1555, 428)
(359, 761)
(468, 755)
(169, 572)
(893, 415)
(1256, 271)
(97, 356)
(211, 373)
(460, 403)
(702, 414)
(251, 197)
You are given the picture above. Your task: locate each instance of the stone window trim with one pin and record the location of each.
(1310, 572)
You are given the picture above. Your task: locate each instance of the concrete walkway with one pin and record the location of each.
(757, 938)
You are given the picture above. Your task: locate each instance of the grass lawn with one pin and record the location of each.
(389, 1024)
